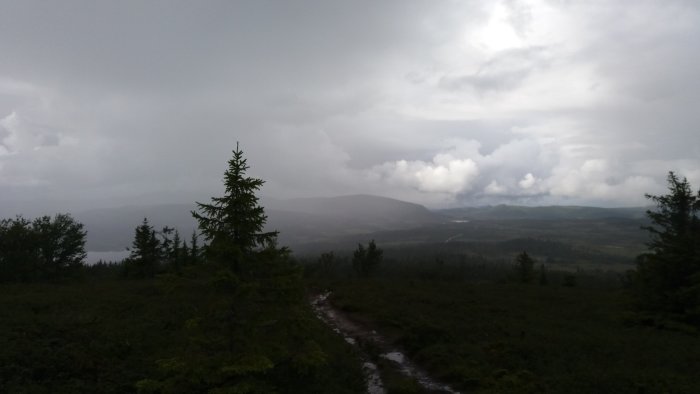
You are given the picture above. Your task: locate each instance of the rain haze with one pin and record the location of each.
(453, 103)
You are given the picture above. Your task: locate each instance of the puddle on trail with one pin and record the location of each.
(374, 380)
(407, 368)
(396, 357)
(344, 327)
(356, 335)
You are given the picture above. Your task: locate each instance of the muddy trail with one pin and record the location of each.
(363, 339)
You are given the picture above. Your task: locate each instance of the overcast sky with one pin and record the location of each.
(444, 103)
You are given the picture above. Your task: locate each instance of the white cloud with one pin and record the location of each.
(9, 133)
(528, 181)
(494, 188)
(599, 181)
(17, 135)
(565, 174)
(444, 174)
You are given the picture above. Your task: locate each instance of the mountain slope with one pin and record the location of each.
(112, 229)
(514, 212)
(299, 221)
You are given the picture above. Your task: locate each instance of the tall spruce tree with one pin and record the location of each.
(233, 224)
(668, 275)
(195, 252)
(146, 252)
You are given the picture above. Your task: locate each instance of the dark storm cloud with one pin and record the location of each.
(503, 72)
(444, 103)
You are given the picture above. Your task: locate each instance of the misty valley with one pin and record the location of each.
(584, 237)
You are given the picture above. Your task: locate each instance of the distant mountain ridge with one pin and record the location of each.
(379, 211)
(554, 212)
(298, 220)
(112, 229)
(304, 222)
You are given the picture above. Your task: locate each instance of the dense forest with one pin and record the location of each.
(229, 310)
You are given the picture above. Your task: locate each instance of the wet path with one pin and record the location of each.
(357, 336)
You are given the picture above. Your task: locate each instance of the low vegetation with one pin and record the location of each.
(188, 334)
(492, 337)
(46, 248)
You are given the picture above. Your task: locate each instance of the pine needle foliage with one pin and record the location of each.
(146, 251)
(233, 224)
(668, 276)
(525, 267)
(366, 260)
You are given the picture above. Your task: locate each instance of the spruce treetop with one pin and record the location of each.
(667, 279)
(233, 224)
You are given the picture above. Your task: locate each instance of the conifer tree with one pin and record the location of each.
(195, 253)
(366, 260)
(175, 255)
(525, 267)
(145, 251)
(233, 224)
(668, 276)
(185, 253)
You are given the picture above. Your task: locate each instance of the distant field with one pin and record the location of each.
(312, 226)
(595, 244)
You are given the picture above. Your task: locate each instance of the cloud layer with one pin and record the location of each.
(442, 103)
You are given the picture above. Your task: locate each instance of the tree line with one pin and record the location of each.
(153, 251)
(44, 248)
(232, 227)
